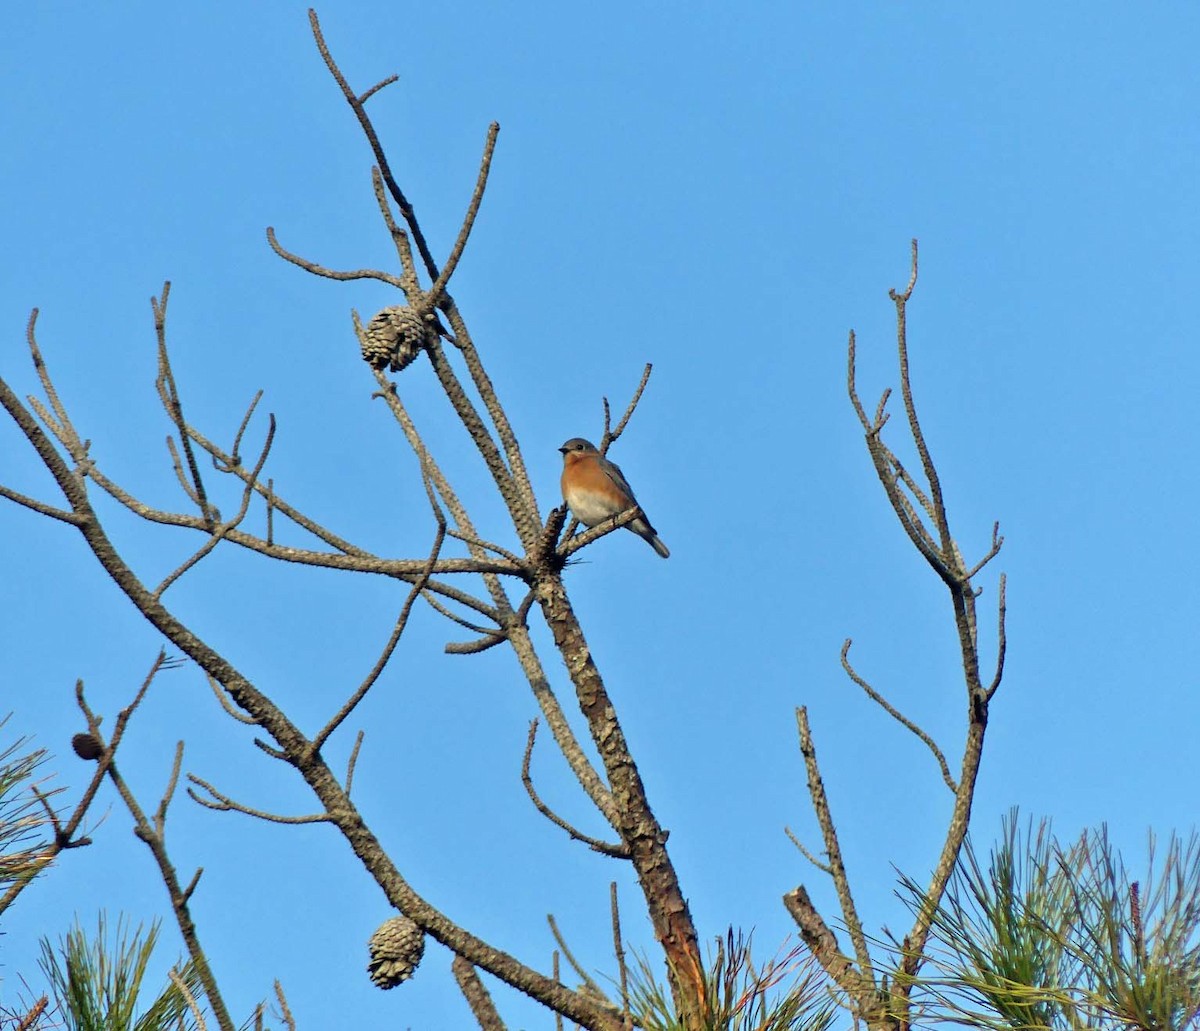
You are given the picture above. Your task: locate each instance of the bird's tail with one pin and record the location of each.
(657, 544)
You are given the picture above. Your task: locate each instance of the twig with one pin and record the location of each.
(412, 283)
(458, 535)
(439, 286)
(617, 851)
(235, 451)
(39, 506)
(820, 803)
(219, 533)
(160, 814)
(222, 803)
(180, 475)
(368, 94)
(356, 105)
(39, 363)
(899, 717)
(823, 867)
(352, 762)
(589, 984)
(558, 1021)
(476, 647)
(170, 397)
(326, 273)
(608, 438)
(401, 622)
(1002, 638)
(619, 951)
(219, 692)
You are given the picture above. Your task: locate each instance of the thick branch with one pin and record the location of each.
(636, 823)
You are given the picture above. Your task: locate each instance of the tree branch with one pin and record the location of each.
(617, 851)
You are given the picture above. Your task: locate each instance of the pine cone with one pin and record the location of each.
(396, 949)
(86, 746)
(394, 337)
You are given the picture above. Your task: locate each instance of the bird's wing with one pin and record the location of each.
(614, 473)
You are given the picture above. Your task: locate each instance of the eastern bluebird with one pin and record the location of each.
(596, 490)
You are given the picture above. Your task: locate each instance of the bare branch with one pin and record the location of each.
(356, 105)
(993, 551)
(153, 836)
(187, 892)
(608, 439)
(618, 851)
(219, 533)
(439, 287)
(582, 540)
(477, 996)
(442, 610)
(237, 439)
(899, 717)
(588, 983)
(476, 647)
(326, 273)
(180, 475)
(385, 656)
(160, 815)
(1002, 638)
(169, 394)
(63, 419)
(352, 762)
(823, 867)
(556, 720)
(558, 1021)
(40, 507)
(820, 804)
(823, 944)
(458, 535)
(412, 284)
(368, 94)
(619, 952)
(222, 803)
(65, 832)
(221, 697)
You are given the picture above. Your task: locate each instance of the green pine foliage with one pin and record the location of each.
(97, 982)
(22, 817)
(1044, 936)
(787, 994)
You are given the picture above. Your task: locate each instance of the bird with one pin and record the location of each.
(595, 489)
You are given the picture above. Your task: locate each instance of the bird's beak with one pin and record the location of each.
(562, 450)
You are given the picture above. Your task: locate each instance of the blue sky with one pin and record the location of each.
(724, 193)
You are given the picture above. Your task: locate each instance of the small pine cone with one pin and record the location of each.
(86, 746)
(396, 949)
(394, 337)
